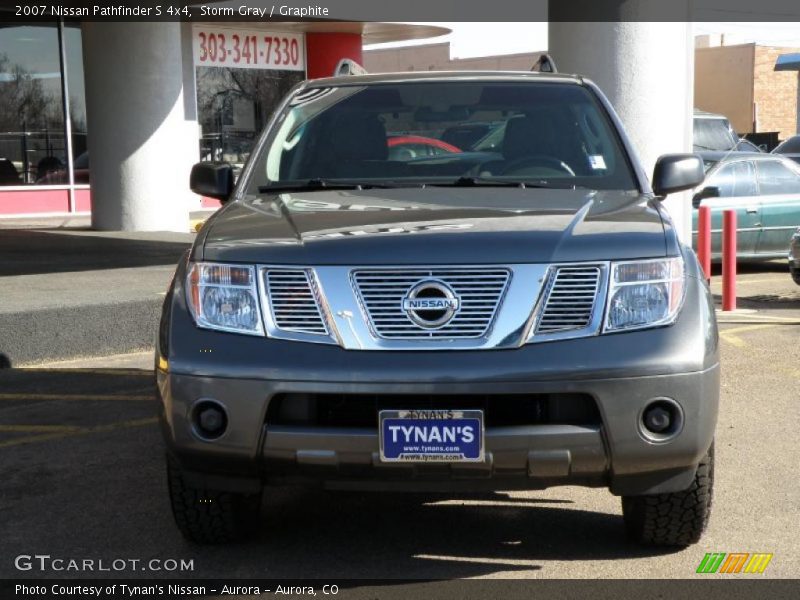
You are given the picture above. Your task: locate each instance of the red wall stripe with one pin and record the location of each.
(83, 200)
(325, 50)
(20, 202)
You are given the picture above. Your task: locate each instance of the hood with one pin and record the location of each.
(434, 225)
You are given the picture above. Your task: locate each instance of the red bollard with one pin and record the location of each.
(704, 239)
(729, 260)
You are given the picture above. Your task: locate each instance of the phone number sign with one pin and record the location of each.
(248, 49)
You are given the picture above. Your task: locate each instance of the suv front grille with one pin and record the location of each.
(480, 292)
(571, 300)
(293, 301)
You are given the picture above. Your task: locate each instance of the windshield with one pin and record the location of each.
(712, 133)
(790, 146)
(444, 133)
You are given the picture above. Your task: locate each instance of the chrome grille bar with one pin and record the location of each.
(293, 302)
(571, 300)
(381, 293)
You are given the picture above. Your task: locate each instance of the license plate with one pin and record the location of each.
(431, 435)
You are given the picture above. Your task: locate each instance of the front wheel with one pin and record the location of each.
(795, 275)
(673, 519)
(208, 516)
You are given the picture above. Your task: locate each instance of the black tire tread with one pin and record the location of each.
(672, 519)
(209, 516)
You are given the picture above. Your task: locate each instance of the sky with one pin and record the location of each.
(479, 39)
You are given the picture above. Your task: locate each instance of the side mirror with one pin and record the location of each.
(212, 179)
(677, 172)
(710, 191)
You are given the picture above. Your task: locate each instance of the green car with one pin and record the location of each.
(764, 189)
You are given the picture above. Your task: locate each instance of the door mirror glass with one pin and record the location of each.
(677, 172)
(212, 179)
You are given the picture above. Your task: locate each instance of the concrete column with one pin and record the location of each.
(143, 134)
(647, 71)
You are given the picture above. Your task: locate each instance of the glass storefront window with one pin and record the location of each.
(33, 146)
(233, 107)
(73, 50)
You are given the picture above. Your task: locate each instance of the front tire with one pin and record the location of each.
(795, 275)
(208, 516)
(673, 519)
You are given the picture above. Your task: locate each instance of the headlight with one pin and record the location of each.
(644, 293)
(224, 297)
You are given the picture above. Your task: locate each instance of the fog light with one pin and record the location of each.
(210, 419)
(657, 419)
(661, 420)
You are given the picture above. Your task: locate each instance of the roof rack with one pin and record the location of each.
(545, 64)
(347, 66)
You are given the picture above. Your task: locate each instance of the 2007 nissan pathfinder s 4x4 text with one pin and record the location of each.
(486, 316)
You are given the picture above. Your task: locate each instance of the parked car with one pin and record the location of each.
(467, 135)
(765, 191)
(713, 132)
(790, 148)
(60, 174)
(745, 145)
(471, 321)
(408, 147)
(794, 257)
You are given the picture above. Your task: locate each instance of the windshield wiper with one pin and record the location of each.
(328, 184)
(499, 182)
(345, 184)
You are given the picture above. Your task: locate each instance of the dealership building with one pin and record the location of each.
(107, 118)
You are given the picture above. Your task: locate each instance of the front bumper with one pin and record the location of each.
(612, 453)
(621, 373)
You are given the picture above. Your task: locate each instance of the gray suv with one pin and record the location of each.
(465, 321)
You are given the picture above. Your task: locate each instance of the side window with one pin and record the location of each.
(735, 180)
(776, 178)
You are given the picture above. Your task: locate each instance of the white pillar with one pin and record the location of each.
(143, 135)
(647, 71)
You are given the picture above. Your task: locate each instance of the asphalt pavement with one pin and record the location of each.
(83, 477)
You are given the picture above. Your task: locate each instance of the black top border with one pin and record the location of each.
(402, 11)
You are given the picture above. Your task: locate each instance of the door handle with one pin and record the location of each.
(751, 210)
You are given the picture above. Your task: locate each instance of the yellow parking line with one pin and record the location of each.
(739, 281)
(787, 371)
(745, 328)
(731, 335)
(38, 428)
(756, 319)
(733, 340)
(79, 431)
(792, 320)
(106, 361)
(84, 397)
